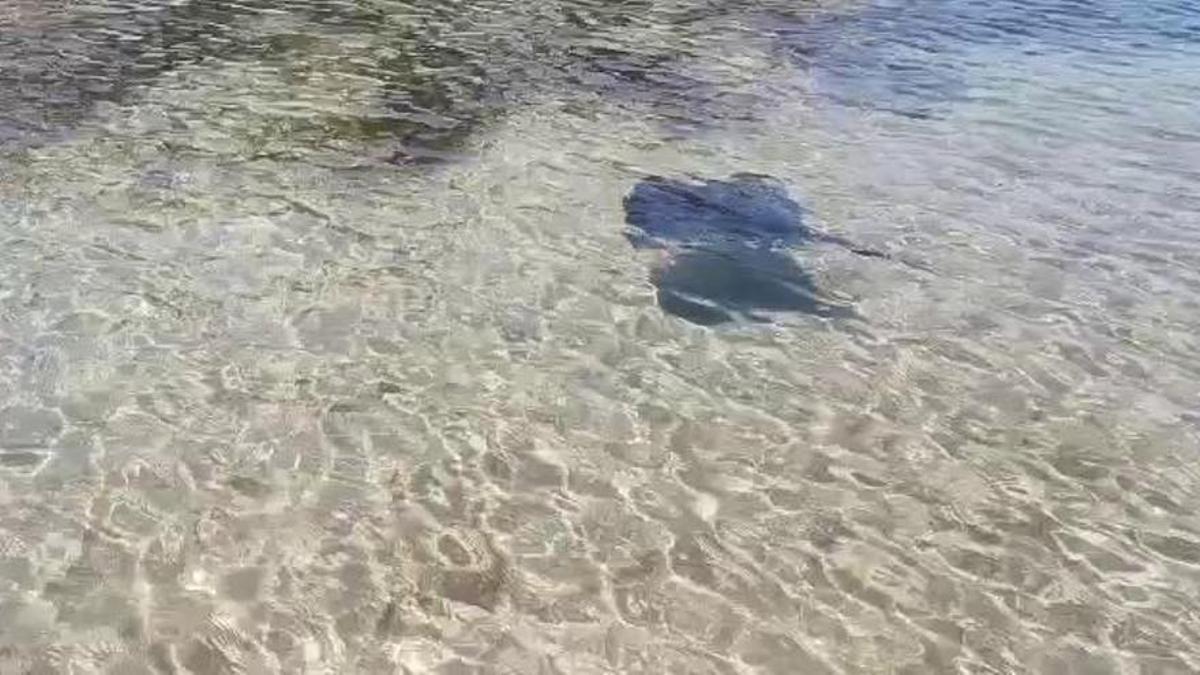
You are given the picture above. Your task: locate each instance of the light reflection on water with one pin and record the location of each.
(322, 346)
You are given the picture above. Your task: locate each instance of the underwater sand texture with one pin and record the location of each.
(277, 397)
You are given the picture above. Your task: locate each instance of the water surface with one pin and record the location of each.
(322, 347)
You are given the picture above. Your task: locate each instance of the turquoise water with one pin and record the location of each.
(323, 347)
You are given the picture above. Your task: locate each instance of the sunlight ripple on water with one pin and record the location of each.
(324, 346)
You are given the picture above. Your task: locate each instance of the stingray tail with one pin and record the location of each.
(851, 246)
(868, 252)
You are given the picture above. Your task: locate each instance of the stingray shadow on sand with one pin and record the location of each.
(727, 244)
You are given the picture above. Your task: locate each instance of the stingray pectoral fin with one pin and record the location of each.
(695, 311)
(640, 239)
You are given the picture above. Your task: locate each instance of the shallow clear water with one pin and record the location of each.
(322, 348)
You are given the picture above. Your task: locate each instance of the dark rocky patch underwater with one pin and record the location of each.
(727, 243)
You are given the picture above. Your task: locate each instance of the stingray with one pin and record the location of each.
(728, 247)
(715, 286)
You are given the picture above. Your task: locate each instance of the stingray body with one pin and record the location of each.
(745, 210)
(727, 243)
(715, 286)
